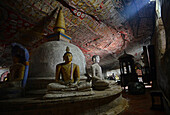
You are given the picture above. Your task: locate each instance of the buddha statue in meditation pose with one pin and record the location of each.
(68, 76)
(96, 69)
(98, 81)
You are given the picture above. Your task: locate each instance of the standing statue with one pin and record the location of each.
(68, 76)
(98, 81)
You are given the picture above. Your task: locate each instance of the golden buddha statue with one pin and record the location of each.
(70, 76)
(69, 71)
(16, 70)
(16, 74)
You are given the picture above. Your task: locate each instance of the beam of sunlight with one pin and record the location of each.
(132, 8)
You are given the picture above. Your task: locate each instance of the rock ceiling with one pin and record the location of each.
(98, 27)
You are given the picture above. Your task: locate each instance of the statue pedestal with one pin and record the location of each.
(63, 94)
(108, 102)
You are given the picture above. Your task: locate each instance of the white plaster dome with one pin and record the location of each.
(44, 59)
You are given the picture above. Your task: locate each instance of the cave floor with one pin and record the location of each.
(140, 104)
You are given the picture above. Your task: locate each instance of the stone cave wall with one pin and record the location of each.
(162, 45)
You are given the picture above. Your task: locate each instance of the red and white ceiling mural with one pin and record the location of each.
(98, 27)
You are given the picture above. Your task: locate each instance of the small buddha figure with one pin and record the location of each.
(67, 76)
(16, 75)
(98, 81)
(17, 70)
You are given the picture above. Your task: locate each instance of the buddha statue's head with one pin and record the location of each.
(67, 56)
(15, 59)
(96, 59)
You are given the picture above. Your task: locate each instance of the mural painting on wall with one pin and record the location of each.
(81, 16)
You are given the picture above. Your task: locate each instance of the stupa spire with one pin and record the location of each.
(59, 29)
(60, 23)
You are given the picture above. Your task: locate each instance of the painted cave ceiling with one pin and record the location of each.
(98, 27)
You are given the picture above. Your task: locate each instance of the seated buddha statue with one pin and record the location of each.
(67, 76)
(16, 75)
(96, 69)
(98, 81)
